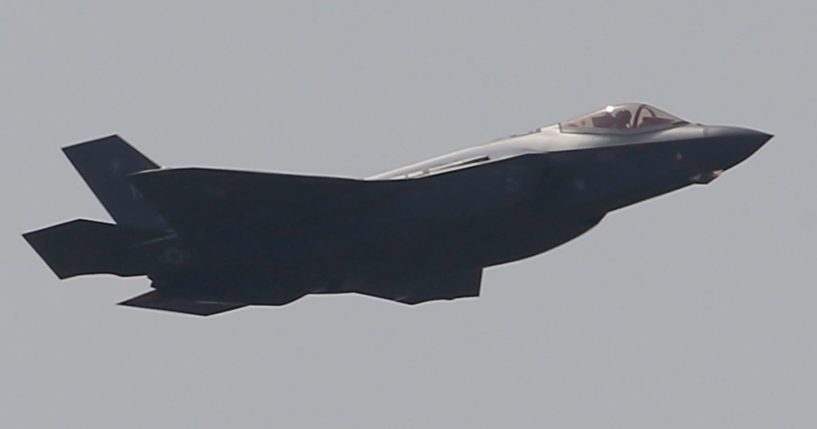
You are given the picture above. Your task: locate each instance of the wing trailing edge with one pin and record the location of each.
(446, 285)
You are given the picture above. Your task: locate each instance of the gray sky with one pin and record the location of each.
(696, 309)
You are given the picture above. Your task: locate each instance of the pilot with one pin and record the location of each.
(621, 119)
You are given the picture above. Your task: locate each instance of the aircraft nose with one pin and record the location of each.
(745, 136)
(731, 145)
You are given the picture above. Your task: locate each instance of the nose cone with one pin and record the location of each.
(735, 144)
(745, 136)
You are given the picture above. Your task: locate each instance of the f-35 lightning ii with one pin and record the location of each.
(216, 240)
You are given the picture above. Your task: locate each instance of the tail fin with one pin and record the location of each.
(88, 247)
(105, 164)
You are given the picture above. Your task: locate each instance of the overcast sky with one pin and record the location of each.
(693, 310)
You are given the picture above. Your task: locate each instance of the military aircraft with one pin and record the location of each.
(216, 240)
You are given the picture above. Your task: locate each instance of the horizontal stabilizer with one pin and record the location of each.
(155, 300)
(88, 247)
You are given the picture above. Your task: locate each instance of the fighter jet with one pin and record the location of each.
(216, 240)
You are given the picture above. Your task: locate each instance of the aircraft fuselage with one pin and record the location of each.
(214, 240)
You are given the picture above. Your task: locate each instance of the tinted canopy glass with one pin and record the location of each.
(622, 118)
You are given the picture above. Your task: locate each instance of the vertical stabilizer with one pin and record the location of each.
(105, 164)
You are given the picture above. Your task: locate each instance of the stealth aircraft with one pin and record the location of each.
(215, 240)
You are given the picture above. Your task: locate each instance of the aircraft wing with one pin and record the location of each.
(155, 300)
(199, 203)
(431, 287)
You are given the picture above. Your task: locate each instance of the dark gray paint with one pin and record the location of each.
(421, 233)
(691, 310)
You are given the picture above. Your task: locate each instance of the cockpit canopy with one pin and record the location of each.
(625, 118)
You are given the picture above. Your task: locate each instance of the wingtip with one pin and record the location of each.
(40, 247)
